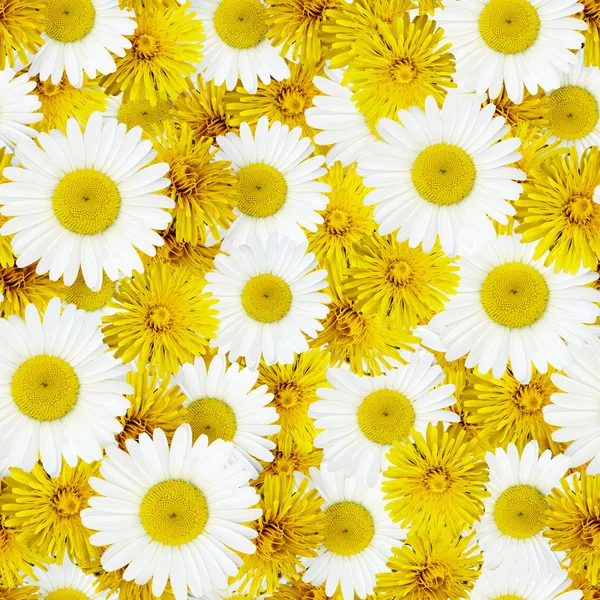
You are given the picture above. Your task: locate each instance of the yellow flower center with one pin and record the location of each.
(519, 512)
(291, 101)
(530, 398)
(437, 480)
(45, 387)
(590, 533)
(432, 575)
(83, 298)
(443, 174)
(261, 190)
(579, 210)
(347, 528)
(385, 416)
(86, 201)
(159, 318)
(241, 23)
(69, 20)
(174, 512)
(287, 395)
(572, 112)
(213, 418)
(66, 594)
(145, 46)
(403, 71)
(514, 295)
(400, 273)
(48, 89)
(266, 298)
(338, 222)
(271, 539)
(66, 502)
(142, 113)
(509, 26)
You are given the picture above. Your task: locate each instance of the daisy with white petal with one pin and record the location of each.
(358, 536)
(277, 188)
(361, 417)
(518, 43)
(175, 513)
(442, 173)
(268, 301)
(81, 36)
(511, 308)
(221, 404)
(510, 532)
(236, 44)
(85, 201)
(61, 390)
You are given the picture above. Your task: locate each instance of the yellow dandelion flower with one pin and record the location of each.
(579, 582)
(83, 298)
(435, 479)
(7, 258)
(201, 187)
(591, 47)
(47, 510)
(163, 318)
(434, 567)
(531, 110)
(294, 388)
(16, 558)
(141, 112)
(535, 148)
(26, 592)
(140, 5)
(389, 278)
(298, 590)
(427, 7)
(288, 530)
(573, 524)
(558, 211)
(20, 29)
(399, 68)
(196, 257)
(164, 49)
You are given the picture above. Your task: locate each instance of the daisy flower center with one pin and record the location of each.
(579, 210)
(443, 174)
(142, 113)
(241, 23)
(266, 298)
(520, 511)
(572, 112)
(45, 387)
(514, 295)
(83, 298)
(213, 418)
(347, 528)
(69, 20)
(261, 190)
(509, 26)
(174, 512)
(86, 201)
(66, 594)
(337, 222)
(385, 416)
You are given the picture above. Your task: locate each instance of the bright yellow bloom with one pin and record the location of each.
(20, 29)
(535, 148)
(591, 47)
(26, 592)
(140, 5)
(151, 118)
(16, 558)
(7, 258)
(531, 110)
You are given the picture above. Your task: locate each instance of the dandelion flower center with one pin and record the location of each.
(590, 533)
(509, 26)
(530, 398)
(145, 46)
(174, 512)
(437, 480)
(291, 101)
(579, 210)
(241, 23)
(287, 395)
(142, 113)
(83, 298)
(572, 112)
(519, 512)
(261, 190)
(159, 318)
(266, 298)
(514, 295)
(69, 20)
(86, 201)
(385, 416)
(45, 387)
(338, 222)
(403, 71)
(433, 576)
(400, 273)
(213, 418)
(66, 502)
(66, 594)
(347, 528)
(271, 540)
(443, 174)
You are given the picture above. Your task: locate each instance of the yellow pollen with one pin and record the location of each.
(385, 416)
(159, 318)
(400, 273)
(443, 174)
(83, 298)
(579, 209)
(241, 23)
(572, 112)
(142, 113)
(266, 298)
(174, 512)
(509, 26)
(68, 20)
(287, 395)
(338, 222)
(347, 528)
(213, 418)
(145, 46)
(86, 201)
(45, 387)
(66, 594)
(437, 480)
(261, 190)
(520, 511)
(403, 71)
(66, 502)
(514, 295)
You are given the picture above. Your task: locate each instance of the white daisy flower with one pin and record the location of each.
(236, 44)
(221, 403)
(86, 200)
(177, 513)
(81, 36)
(60, 388)
(510, 532)
(510, 307)
(358, 536)
(65, 582)
(277, 188)
(268, 301)
(442, 173)
(361, 417)
(512, 42)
